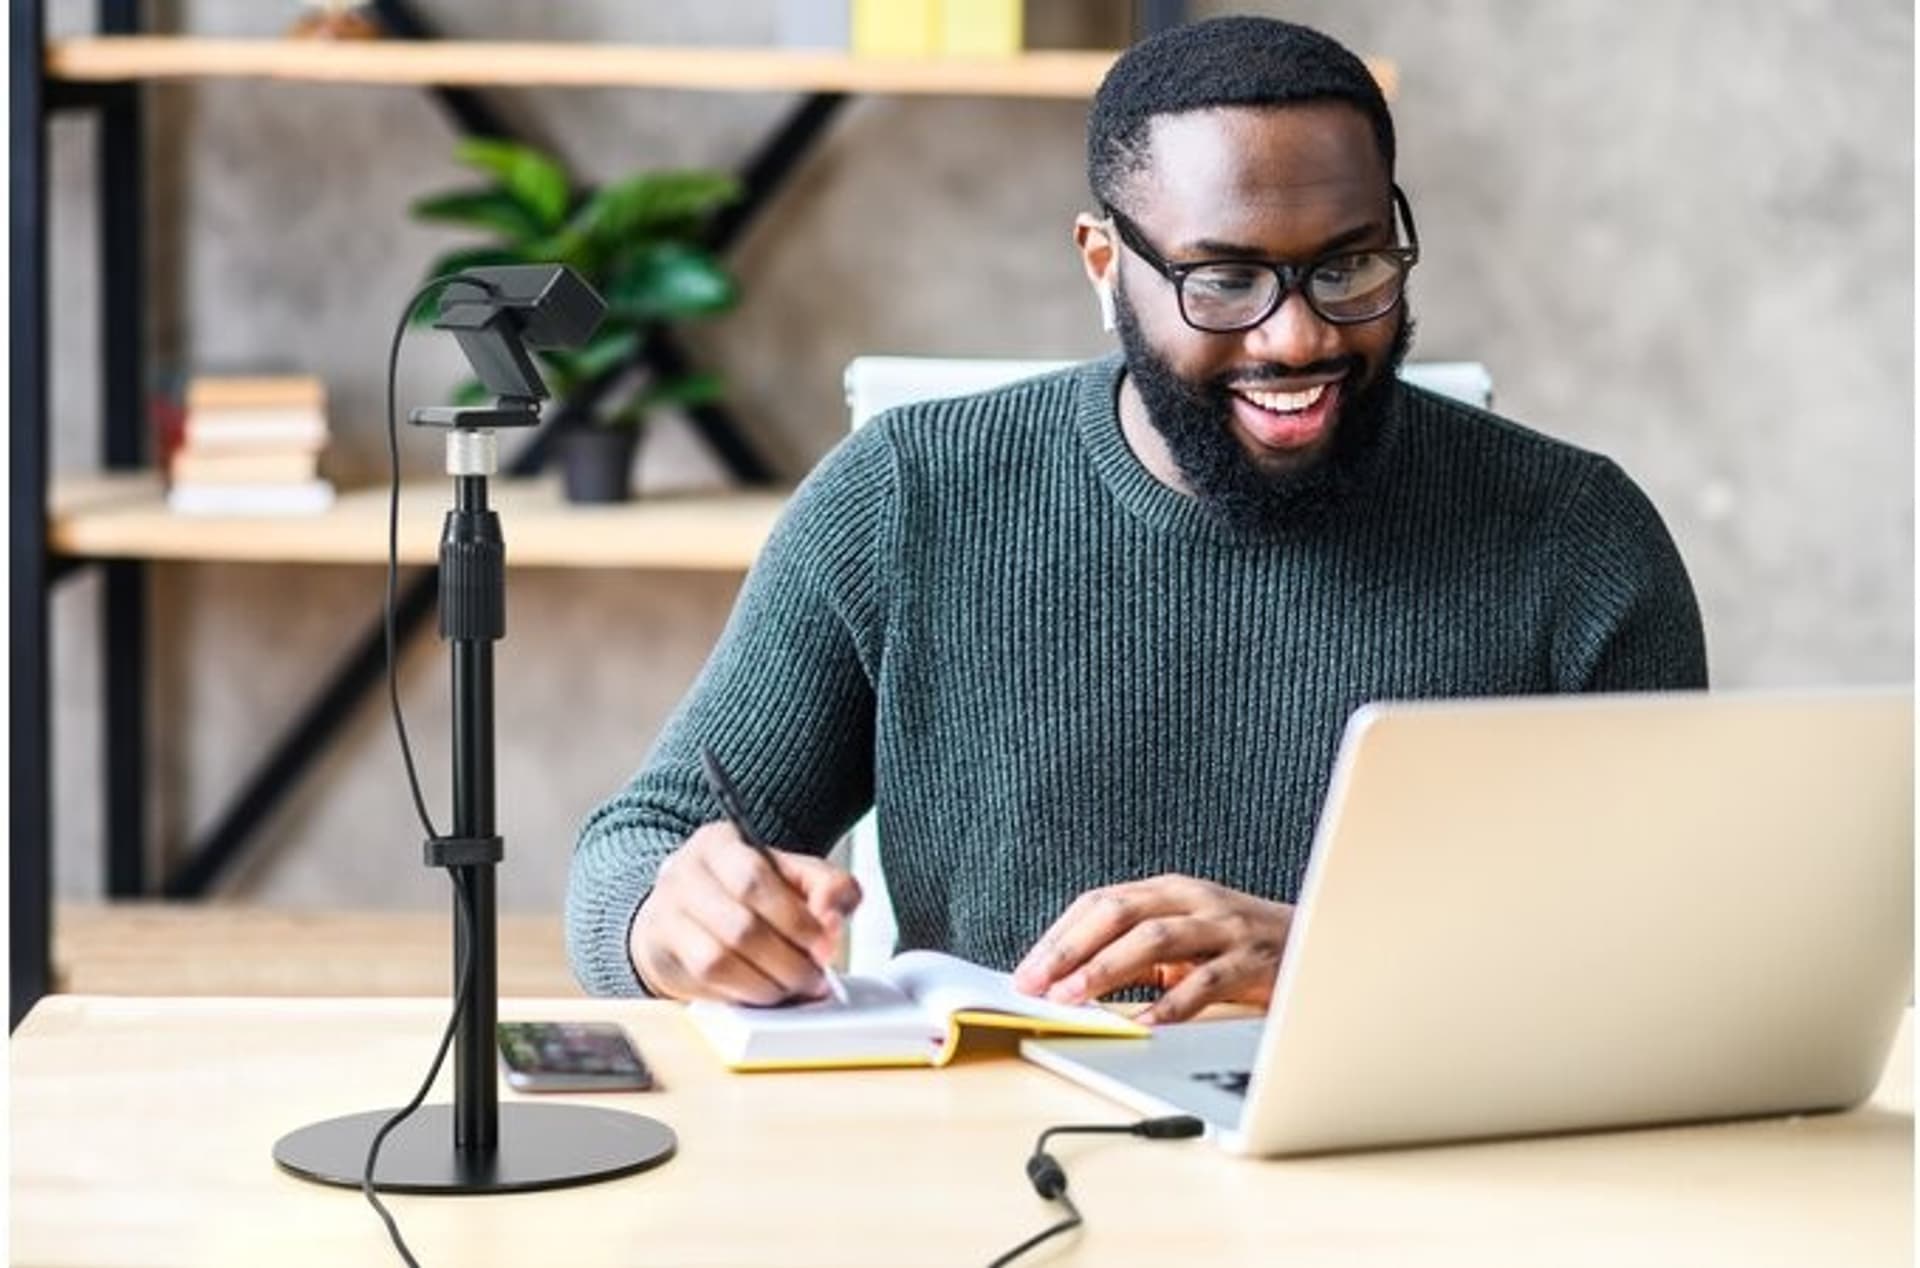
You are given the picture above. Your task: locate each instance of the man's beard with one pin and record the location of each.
(1194, 420)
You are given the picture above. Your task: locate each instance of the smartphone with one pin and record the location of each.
(570, 1056)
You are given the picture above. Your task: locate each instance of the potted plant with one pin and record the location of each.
(637, 241)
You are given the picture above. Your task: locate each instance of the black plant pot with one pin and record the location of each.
(598, 463)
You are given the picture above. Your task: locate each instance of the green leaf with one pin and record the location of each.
(535, 180)
(654, 203)
(669, 279)
(470, 392)
(456, 261)
(493, 209)
(562, 374)
(609, 348)
(573, 249)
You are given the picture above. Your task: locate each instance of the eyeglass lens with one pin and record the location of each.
(1353, 287)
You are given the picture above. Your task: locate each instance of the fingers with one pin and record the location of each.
(830, 893)
(697, 965)
(678, 957)
(1096, 919)
(771, 904)
(743, 930)
(1244, 974)
(1202, 943)
(724, 923)
(1136, 957)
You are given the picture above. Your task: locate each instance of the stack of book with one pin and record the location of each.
(251, 446)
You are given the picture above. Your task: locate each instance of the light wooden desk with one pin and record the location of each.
(142, 1131)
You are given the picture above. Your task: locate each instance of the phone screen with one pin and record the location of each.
(570, 1056)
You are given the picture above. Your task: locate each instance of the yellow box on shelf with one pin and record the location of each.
(980, 28)
(896, 28)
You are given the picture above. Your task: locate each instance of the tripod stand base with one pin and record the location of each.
(540, 1147)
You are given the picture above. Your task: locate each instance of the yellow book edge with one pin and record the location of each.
(1122, 1028)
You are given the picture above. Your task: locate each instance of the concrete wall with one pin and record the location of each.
(1681, 234)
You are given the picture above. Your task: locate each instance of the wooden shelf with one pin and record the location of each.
(1046, 73)
(159, 948)
(469, 62)
(126, 517)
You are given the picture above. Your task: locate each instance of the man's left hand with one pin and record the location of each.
(1199, 942)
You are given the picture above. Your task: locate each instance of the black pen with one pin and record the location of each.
(721, 786)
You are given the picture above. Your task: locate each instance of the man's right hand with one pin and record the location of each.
(722, 924)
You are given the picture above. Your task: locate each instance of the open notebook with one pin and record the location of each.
(912, 1012)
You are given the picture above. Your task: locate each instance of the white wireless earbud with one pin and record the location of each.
(1107, 321)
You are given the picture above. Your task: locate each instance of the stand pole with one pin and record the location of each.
(472, 617)
(476, 1145)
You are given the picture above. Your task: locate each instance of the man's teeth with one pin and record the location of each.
(1285, 402)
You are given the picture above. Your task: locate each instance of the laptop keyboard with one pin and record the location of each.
(1231, 1081)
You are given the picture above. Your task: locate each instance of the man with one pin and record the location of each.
(1088, 642)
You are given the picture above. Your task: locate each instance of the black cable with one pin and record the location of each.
(1072, 1221)
(439, 1058)
(393, 525)
(1049, 1178)
(464, 990)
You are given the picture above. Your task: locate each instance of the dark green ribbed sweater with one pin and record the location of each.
(1049, 671)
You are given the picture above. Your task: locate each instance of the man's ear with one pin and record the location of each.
(1094, 236)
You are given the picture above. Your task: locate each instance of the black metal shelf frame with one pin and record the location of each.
(123, 612)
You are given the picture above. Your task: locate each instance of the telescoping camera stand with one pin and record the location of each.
(476, 1144)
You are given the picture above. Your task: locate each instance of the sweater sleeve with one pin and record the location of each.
(786, 701)
(1626, 617)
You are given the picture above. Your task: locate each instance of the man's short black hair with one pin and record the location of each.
(1238, 61)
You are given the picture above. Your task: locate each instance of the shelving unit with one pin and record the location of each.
(117, 521)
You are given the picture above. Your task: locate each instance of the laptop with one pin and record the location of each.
(1566, 913)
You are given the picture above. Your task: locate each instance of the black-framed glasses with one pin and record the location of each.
(1344, 287)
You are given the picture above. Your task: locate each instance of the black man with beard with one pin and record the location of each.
(1087, 643)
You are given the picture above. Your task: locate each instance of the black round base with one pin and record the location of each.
(540, 1147)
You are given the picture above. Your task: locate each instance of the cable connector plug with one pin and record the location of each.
(1049, 1178)
(1174, 1127)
